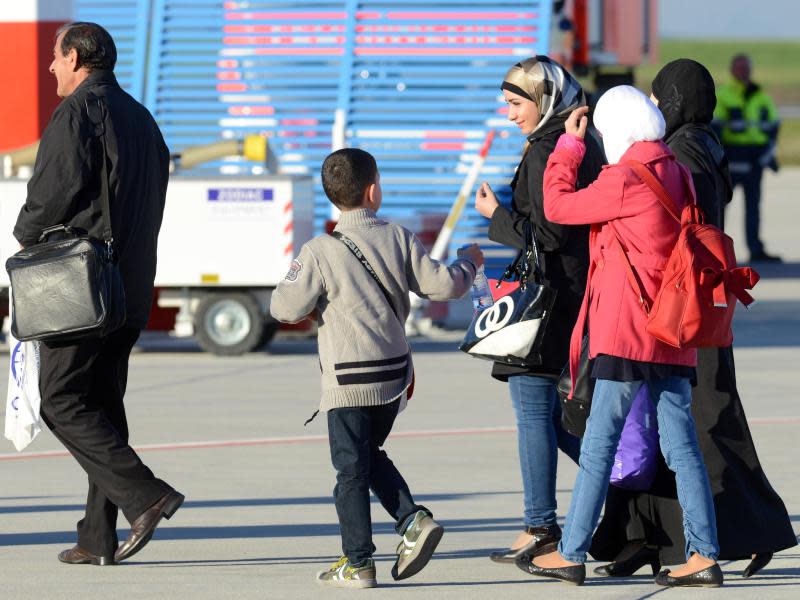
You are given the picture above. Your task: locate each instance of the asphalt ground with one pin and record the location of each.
(259, 520)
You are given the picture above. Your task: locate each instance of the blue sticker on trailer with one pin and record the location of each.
(240, 195)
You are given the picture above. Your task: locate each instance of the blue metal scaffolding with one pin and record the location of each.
(416, 83)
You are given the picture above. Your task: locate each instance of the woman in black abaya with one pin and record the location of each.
(641, 528)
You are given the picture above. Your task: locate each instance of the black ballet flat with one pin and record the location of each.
(545, 540)
(710, 577)
(629, 566)
(760, 561)
(574, 575)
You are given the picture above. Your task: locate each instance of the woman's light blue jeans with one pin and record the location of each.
(540, 435)
(610, 406)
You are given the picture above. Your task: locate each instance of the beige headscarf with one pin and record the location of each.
(547, 84)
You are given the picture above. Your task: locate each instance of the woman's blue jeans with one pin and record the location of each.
(539, 434)
(610, 406)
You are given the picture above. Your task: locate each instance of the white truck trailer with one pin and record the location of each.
(225, 243)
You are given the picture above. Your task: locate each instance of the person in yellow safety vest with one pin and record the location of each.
(747, 123)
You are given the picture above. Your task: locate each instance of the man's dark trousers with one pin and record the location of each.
(747, 172)
(82, 387)
(356, 435)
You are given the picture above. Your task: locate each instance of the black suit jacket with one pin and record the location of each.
(66, 182)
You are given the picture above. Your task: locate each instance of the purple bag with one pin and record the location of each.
(636, 459)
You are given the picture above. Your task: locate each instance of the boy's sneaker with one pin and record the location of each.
(343, 574)
(416, 549)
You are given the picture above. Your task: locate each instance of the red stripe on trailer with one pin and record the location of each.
(228, 64)
(229, 75)
(231, 87)
(287, 207)
(442, 146)
(251, 110)
(474, 51)
(289, 249)
(287, 229)
(472, 16)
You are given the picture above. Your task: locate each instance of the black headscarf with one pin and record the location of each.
(685, 92)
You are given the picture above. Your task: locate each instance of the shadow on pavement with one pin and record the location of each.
(247, 502)
(291, 530)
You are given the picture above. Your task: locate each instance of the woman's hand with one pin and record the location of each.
(577, 122)
(485, 201)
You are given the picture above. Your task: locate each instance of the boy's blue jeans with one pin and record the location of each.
(539, 436)
(610, 406)
(356, 436)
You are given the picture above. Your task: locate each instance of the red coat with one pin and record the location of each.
(620, 199)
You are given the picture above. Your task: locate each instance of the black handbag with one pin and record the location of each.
(512, 329)
(575, 411)
(68, 286)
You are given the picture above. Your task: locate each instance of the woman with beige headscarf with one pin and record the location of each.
(540, 95)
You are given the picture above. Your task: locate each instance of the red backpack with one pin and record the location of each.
(695, 304)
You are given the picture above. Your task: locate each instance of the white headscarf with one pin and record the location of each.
(624, 115)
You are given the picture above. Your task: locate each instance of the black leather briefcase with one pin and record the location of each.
(64, 290)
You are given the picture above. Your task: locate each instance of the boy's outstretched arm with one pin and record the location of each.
(435, 280)
(296, 296)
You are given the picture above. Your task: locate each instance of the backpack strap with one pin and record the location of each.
(631, 274)
(655, 185)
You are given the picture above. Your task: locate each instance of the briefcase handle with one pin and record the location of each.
(48, 231)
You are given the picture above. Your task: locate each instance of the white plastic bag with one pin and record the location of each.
(23, 401)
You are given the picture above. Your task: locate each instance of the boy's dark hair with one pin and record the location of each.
(94, 45)
(346, 174)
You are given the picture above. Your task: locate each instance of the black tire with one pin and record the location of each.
(228, 323)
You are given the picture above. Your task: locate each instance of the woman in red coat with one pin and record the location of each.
(626, 217)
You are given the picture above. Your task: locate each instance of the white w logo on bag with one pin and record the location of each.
(495, 317)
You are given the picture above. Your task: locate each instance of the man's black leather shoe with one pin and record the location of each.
(710, 577)
(79, 556)
(545, 540)
(575, 574)
(143, 527)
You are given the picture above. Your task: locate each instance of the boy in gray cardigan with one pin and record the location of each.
(357, 288)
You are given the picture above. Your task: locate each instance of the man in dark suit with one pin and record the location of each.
(83, 383)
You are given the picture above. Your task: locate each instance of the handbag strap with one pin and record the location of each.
(356, 251)
(95, 108)
(630, 273)
(531, 250)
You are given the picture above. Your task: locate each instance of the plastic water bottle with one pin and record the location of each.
(481, 292)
